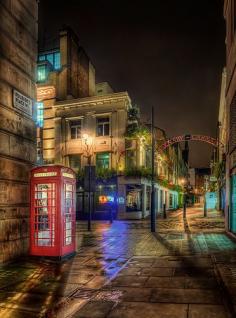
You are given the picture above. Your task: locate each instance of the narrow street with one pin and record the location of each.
(122, 270)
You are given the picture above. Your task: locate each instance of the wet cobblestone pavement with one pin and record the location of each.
(186, 269)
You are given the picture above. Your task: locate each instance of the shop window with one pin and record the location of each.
(75, 129)
(171, 200)
(75, 162)
(103, 126)
(103, 160)
(133, 198)
(148, 198)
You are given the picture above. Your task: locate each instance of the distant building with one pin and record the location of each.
(76, 115)
(18, 54)
(230, 114)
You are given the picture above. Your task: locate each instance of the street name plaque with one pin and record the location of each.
(22, 103)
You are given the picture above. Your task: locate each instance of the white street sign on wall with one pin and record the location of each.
(23, 103)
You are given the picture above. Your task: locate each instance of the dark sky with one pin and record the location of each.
(169, 55)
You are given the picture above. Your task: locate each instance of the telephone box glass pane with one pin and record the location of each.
(44, 211)
(68, 188)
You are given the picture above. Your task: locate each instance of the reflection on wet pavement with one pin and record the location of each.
(32, 288)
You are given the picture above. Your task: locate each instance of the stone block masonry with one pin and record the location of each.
(18, 56)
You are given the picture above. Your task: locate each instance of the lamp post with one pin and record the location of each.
(183, 181)
(88, 154)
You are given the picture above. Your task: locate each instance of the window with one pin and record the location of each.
(57, 61)
(103, 126)
(44, 214)
(54, 58)
(75, 162)
(68, 223)
(75, 129)
(133, 198)
(130, 159)
(41, 73)
(39, 116)
(103, 160)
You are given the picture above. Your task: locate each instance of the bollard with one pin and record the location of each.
(184, 210)
(164, 211)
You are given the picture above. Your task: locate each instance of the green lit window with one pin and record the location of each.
(103, 160)
(42, 74)
(57, 61)
(49, 58)
(39, 119)
(42, 57)
(103, 126)
(54, 58)
(75, 162)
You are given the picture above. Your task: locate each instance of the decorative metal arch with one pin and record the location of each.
(210, 140)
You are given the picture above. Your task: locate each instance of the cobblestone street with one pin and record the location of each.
(186, 269)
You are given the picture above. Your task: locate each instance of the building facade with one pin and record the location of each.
(230, 96)
(18, 47)
(78, 119)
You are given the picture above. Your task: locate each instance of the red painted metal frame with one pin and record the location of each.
(174, 140)
(64, 175)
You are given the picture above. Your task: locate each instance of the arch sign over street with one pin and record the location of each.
(174, 140)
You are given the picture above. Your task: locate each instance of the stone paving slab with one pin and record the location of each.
(207, 311)
(149, 310)
(122, 270)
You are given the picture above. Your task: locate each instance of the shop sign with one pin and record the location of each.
(22, 103)
(103, 199)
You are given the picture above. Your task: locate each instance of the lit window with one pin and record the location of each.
(103, 126)
(49, 58)
(103, 160)
(39, 117)
(75, 129)
(57, 61)
(41, 73)
(41, 57)
(53, 58)
(75, 162)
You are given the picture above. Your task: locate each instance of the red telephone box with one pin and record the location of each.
(52, 219)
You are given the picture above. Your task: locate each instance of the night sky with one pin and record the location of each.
(169, 56)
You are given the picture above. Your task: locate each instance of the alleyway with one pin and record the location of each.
(186, 269)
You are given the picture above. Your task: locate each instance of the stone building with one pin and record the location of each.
(230, 95)
(18, 48)
(77, 118)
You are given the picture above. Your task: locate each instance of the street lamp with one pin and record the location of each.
(88, 141)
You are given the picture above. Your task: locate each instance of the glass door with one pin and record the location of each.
(68, 214)
(44, 214)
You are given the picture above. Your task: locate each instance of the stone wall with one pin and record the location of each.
(18, 54)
